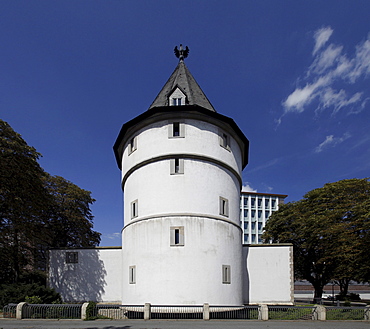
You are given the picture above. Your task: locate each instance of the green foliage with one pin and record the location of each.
(37, 212)
(330, 232)
(33, 300)
(91, 311)
(17, 293)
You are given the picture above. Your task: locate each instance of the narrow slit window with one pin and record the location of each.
(132, 274)
(226, 274)
(224, 140)
(176, 129)
(176, 166)
(132, 145)
(134, 209)
(224, 207)
(177, 236)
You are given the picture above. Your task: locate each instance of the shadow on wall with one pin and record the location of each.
(245, 276)
(83, 280)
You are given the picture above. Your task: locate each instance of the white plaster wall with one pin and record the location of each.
(268, 274)
(96, 276)
(201, 138)
(197, 191)
(177, 275)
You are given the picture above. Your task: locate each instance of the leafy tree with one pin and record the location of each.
(71, 220)
(330, 231)
(37, 212)
(23, 200)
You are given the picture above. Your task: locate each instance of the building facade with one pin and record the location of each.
(181, 168)
(255, 209)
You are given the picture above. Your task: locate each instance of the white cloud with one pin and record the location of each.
(329, 68)
(248, 188)
(321, 36)
(331, 141)
(111, 236)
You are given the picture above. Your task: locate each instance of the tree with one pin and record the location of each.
(71, 220)
(37, 211)
(329, 229)
(23, 200)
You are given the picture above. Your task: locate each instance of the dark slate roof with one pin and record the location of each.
(183, 79)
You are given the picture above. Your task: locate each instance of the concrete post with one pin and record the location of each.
(205, 311)
(367, 313)
(19, 311)
(147, 311)
(263, 312)
(83, 311)
(319, 313)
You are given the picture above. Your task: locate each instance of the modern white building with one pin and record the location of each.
(255, 209)
(181, 165)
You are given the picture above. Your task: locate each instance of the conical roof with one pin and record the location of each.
(182, 78)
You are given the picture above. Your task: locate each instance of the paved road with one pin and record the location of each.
(162, 324)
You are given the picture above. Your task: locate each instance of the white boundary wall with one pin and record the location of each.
(95, 277)
(268, 275)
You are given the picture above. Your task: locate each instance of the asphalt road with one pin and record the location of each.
(163, 324)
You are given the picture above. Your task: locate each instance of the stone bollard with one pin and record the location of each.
(83, 311)
(147, 311)
(367, 313)
(319, 313)
(205, 311)
(19, 311)
(263, 313)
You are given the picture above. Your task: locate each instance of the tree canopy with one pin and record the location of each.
(37, 211)
(330, 232)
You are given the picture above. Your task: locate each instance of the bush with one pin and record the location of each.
(17, 293)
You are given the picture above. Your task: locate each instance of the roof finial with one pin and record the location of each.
(181, 53)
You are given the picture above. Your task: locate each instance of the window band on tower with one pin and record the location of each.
(176, 129)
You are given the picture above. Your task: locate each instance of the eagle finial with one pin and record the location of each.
(181, 53)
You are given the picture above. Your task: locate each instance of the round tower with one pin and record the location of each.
(181, 164)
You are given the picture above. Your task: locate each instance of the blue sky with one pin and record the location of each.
(294, 75)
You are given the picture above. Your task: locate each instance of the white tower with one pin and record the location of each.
(181, 166)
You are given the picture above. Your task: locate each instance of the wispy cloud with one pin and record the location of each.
(331, 141)
(330, 67)
(321, 36)
(247, 188)
(111, 236)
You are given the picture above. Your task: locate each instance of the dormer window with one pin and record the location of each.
(177, 98)
(176, 101)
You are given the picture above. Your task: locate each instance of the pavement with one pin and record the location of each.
(180, 324)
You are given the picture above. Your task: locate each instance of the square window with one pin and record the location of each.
(224, 207)
(176, 166)
(177, 236)
(226, 274)
(72, 257)
(132, 275)
(134, 209)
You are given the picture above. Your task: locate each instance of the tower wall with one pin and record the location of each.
(201, 202)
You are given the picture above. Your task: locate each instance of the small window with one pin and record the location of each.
(72, 257)
(273, 203)
(132, 275)
(259, 203)
(267, 214)
(245, 213)
(267, 203)
(134, 209)
(253, 202)
(226, 275)
(224, 140)
(246, 238)
(224, 207)
(176, 129)
(259, 226)
(176, 166)
(245, 226)
(245, 201)
(253, 227)
(132, 145)
(176, 101)
(259, 213)
(253, 214)
(177, 236)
